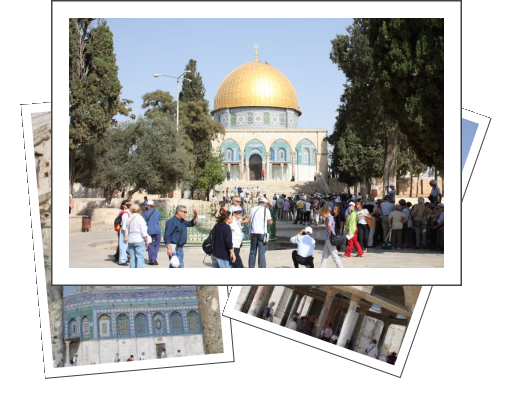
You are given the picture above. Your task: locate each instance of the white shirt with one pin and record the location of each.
(236, 235)
(306, 245)
(242, 194)
(292, 325)
(327, 333)
(124, 219)
(308, 206)
(137, 228)
(361, 217)
(372, 351)
(435, 191)
(256, 219)
(214, 199)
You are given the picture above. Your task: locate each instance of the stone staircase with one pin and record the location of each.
(276, 187)
(102, 219)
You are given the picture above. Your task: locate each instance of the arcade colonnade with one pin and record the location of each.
(357, 314)
(280, 153)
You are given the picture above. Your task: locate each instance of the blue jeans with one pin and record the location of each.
(137, 252)
(238, 263)
(257, 243)
(123, 247)
(154, 246)
(179, 255)
(220, 263)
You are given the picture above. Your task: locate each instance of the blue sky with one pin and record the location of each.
(299, 48)
(469, 129)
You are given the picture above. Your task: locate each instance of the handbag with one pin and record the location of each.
(337, 239)
(370, 222)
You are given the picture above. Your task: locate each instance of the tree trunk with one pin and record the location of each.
(210, 318)
(363, 187)
(72, 169)
(418, 186)
(131, 193)
(390, 163)
(410, 193)
(108, 194)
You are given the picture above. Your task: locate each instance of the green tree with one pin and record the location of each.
(94, 89)
(361, 104)
(408, 67)
(108, 160)
(201, 128)
(162, 159)
(211, 175)
(194, 89)
(159, 102)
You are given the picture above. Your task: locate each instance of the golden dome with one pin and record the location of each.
(256, 84)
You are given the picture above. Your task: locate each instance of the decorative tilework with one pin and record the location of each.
(249, 118)
(274, 119)
(233, 119)
(258, 118)
(290, 120)
(240, 119)
(266, 118)
(224, 119)
(281, 119)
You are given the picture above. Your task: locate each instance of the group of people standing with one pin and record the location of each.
(138, 233)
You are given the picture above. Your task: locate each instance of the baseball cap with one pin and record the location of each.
(351, 204)
(175, 262)
(262, 200)
(392, 185)
(308, 230)
(151, 203)
(237, 210)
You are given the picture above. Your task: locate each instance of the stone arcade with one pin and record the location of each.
(105, 321)
(259, 108)
(358, 314)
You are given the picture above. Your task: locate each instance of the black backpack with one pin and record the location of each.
(209, 241)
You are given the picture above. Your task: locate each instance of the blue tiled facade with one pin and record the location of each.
(257, 118)
(127, 313)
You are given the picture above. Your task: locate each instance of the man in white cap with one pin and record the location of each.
(152, 217)
(306, 245)
(260, 217)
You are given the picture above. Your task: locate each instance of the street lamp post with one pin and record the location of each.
(177, 92)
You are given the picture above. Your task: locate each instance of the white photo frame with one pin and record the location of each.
(52, 372)
(474, 130)
(396, 370)
(450, 274)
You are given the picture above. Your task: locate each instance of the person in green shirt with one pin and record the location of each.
(351, 229)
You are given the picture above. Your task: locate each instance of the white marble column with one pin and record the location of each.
(288, 309)
(348, 323)
(359, 324)
(322, 318)
(66, 356)
(267, 170)
(282, 171)
(242, 297)
(247, 169)
(261, 300)
(242, 166)
(294, 158)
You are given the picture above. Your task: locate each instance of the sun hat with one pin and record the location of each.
(151, 203)
(308, 230)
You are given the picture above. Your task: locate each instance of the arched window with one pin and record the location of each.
(141, 328)
(229, 154)
(85, 326)
(193, 322)
(122, 326)
(282, 155)
(158, 323)
(73, 331)
(104, 324)
(306, 156)
(176, 323)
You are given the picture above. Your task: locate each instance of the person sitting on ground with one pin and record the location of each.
(306, 245)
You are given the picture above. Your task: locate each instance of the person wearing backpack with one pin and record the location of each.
(223, 254)
(152, 217)
(175, 235)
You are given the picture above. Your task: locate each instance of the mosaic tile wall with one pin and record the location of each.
(257, 117)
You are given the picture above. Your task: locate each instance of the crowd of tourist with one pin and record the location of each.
(352, 222)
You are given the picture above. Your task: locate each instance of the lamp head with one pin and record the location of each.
(156, 75)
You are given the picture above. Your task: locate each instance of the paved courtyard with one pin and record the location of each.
(96, 249)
